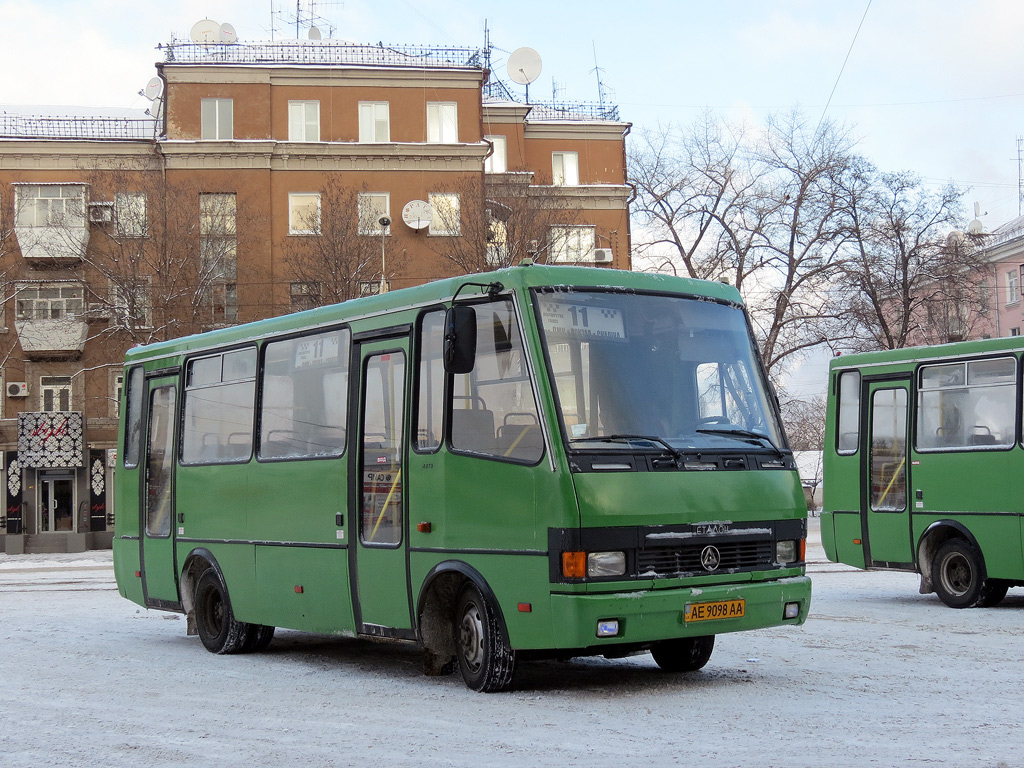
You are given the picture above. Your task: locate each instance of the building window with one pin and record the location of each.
(442, 122)
(49, 302)
(130, 213)
(373, 205)
(217, 117)
(571, 244)
(304, 295)
(1015, 331)
(374, 121)
(131, 304)
(50, 205)
(447, 214)
(304, 213)
(218, 256)
(54, 393)
(117, 389)
(497, 162)
(372, 287)
(303, 121)
(1012, 287)
(565, 169)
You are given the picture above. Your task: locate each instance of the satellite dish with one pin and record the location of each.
(153, 89)
(227, 34)
(524, 65)
(205, 31)
(417, 214)
(314, 33)
(976, 227)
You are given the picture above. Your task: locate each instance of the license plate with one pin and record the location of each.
(722, 609)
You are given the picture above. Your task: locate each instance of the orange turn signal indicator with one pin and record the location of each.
(574, 565)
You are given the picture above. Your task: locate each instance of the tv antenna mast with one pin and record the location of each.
(602, 91)
(306, 16)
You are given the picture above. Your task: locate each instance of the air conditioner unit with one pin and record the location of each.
(17, 389)
(101, 213)
(602, 255)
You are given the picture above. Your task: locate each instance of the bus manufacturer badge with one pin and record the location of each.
(710, 558)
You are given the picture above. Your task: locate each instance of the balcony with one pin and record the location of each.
(52, 339)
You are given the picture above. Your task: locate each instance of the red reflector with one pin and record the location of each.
(138, 574)
(856, 541)
(298, 589)
(423, 527)
(525, 607)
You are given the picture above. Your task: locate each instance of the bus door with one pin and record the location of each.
(885, 509)
(156, 526)
(380, 569)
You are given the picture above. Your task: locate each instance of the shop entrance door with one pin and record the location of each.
(56, 504)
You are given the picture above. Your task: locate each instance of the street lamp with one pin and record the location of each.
(385, 222)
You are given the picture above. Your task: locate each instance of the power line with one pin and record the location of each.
(842, 68)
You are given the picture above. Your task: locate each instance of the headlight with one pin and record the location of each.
(606, 564)
(789, 551)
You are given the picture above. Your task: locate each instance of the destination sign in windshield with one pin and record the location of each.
(580, 321)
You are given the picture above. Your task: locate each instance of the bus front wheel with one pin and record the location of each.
(959, 576)
(218, 629)
(485, 659)
(686, 654)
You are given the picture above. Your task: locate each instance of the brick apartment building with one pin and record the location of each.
(272, 178)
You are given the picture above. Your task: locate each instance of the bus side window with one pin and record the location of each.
(430, 383)
(848, 433)
(220, 393)
(133, 416)
(494, 412)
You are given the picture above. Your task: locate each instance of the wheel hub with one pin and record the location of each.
(471, 637)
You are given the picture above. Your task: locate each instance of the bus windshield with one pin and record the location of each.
(633, 366)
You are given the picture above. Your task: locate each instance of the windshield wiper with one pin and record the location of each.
(740, 433)
(628, 439)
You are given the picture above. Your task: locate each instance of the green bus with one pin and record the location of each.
(535, 462)
(921, 446)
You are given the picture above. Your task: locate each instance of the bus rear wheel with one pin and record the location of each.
(485, 659)
(218, 629)
(686, 654)
(958, 573)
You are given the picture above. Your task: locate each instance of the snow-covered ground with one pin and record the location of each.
(878, 676)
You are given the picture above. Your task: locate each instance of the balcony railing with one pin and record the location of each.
(72, 127)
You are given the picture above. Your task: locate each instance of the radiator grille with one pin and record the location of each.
(685, 559)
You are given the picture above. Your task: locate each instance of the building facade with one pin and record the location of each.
(274, 177)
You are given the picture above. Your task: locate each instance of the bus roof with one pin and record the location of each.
(525, 275)
(914, 355)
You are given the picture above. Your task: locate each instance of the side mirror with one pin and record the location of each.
(460, 339)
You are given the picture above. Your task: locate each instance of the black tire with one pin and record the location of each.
(485, 660)
(687, 654)
(218, 628)
(257, 638)
(993, 592)
(958, 573)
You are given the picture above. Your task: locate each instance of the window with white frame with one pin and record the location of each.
(303, 121)
(305, 295)
(442, 122)
(304, 213)
(374, 121)
(217, 118)
(497, 161)
(1012, 286)
(130, 213)
(565, 169)
(218, 256)
(131, 303)
(117, 389)
(49, 205)
(48, 301)
(571, 244)
(447, 211)
(54, 393)
(373, 205)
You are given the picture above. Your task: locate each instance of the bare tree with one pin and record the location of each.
(759, 209)
(502, 220)
(344, 253)
(911, 277)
